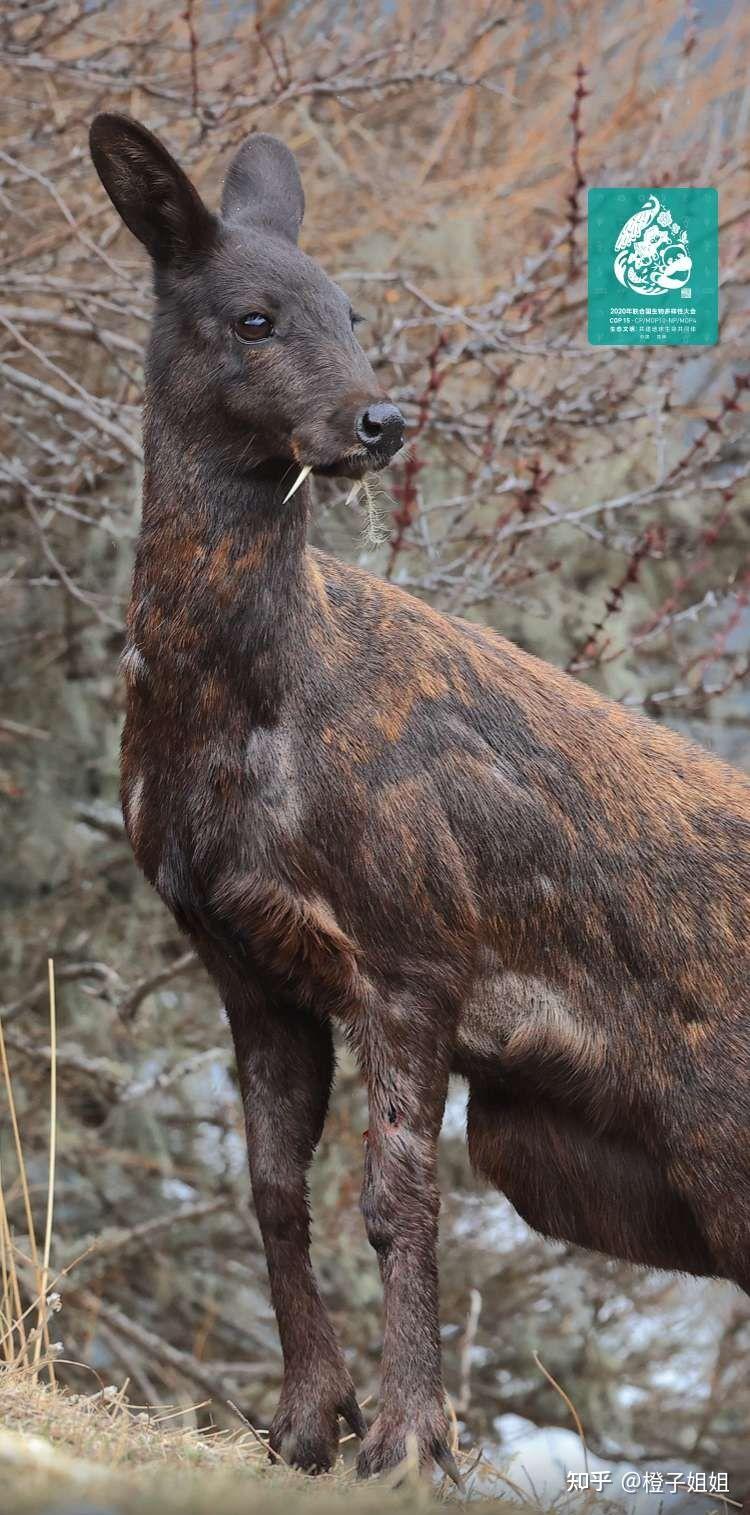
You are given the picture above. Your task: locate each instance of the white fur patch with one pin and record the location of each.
(132, 807)
(133, 665)
(508, 1008)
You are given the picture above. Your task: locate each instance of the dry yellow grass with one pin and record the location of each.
(67, 1453)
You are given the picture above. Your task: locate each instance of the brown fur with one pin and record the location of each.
(366, 813)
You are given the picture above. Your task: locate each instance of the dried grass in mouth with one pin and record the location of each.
(376, 531)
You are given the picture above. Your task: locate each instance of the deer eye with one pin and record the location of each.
(355, 318)
(253, 327)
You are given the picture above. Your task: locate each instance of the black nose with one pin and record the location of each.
(380, 428)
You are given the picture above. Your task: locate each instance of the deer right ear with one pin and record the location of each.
(263, 187)
(155, 198)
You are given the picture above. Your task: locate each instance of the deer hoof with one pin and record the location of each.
(390, 1443)
(305, 1435)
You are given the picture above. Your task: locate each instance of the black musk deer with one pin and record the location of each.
(367, 814)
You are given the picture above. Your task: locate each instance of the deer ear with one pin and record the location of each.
(155, 198)
(263, 186)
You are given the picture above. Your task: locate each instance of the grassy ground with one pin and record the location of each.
(64, 1454)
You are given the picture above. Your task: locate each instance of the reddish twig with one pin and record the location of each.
(406, 492)
(188, 17)
(573, 198)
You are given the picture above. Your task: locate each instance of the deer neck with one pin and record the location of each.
(220, 591)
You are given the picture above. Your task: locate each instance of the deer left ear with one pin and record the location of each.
(155, 198)
(263, 186)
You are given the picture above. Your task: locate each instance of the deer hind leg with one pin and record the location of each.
(575, 1184)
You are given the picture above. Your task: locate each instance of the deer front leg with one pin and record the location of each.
(285, 1063)
(407, 1077)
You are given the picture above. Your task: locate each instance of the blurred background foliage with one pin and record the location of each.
(592, 503)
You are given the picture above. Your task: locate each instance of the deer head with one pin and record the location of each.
(253, 352)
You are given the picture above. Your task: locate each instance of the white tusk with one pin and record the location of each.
(300, 479)
(353, 492)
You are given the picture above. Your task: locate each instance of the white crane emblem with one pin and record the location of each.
(652, 256)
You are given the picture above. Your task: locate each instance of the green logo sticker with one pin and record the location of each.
(653, 267)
